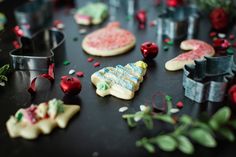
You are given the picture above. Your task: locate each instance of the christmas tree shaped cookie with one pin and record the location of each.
(120, 81)
(43, 118)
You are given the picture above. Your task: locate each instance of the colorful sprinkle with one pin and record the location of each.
(16, 44)
(174, 110)
(19, 116)
(71, 72)
(90, 59)
(165, 48)
(83, 31)
(97, 64)
(221, 35)
(153, 23)
(180, 104)
(127, 18)
(230, 51)
(66, 62)
(212, 34)
(166, 40)
(170, 43)
(123, 109)
(80, 74)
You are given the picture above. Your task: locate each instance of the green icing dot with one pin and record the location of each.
(66, 62)
(19, 116)
(103, 86)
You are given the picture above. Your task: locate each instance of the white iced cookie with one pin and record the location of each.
(108, 41)
(120, 81)
(198, 50)
(30, 122)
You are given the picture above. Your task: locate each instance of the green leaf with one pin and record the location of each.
(144, 142)
(4, 69)
(185, 119)
(164, 118)
(227, 133)
(220, 118)
(204, 126)
(202, 137)
(148, 122)
(166, 142)
(233, 123)
(131, 122)
(3, 78)
(184, 145)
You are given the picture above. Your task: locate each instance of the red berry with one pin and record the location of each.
(149, 50)
(70, 85)
(180, 104)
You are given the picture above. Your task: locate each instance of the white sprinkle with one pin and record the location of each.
(174, 110)
(60, 26)
(142, 107)
(82, 31)
(123, 109)
(71, 72)
(221, 35)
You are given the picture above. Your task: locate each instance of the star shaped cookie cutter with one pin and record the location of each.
(38, 52)
(208, 79)
(33, 16)
(178, 23)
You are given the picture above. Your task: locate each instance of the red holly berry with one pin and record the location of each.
(219, 18)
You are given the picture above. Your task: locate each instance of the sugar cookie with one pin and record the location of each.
(121, 81)
(199, 50)
(109, 41)
(30, 122)
(92, 13)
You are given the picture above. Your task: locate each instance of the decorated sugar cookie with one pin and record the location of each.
(109, 41)
(120, 81)
(30, 122)
(198, 50)
(92, 13)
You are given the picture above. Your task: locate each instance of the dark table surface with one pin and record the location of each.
(99, 126)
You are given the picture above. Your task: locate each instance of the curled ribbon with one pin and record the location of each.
(49, 76)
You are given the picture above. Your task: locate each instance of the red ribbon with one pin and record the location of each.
(49, 76)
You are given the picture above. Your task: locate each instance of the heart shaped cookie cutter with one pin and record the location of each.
(208, 79)
(38, 52)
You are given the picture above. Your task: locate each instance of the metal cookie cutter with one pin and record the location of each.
(178, 23)
(33, 16)
(208, 79)
(38, 52)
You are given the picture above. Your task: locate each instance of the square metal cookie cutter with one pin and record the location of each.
(39, 51)
(208, 79)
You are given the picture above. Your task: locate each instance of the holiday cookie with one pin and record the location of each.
(199, 50)
(109, 41)
(30, 122)
(92, 13)
(120, 81)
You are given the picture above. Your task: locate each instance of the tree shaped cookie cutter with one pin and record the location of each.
(178, 23)
(208, 79)
(39, 51)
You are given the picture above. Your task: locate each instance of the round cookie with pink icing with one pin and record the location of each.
(198, 50)
(109, 41)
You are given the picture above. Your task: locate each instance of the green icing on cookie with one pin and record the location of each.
(19, 116)
(97, 11)
(103, 86)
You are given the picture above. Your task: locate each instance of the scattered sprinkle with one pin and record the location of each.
(165, 48)
(166, 40)
(230, 51)
(180, 105)
(174, 110)
(71, 72)
(127, 18)
(90, 59)
(80, 74)
(82, 31)
(212, 34)
(221, 35)
(123, 109)
(97, 64)
(58, 24)
(170, 43)
(153, 23)
(16, 44)
(66, 62)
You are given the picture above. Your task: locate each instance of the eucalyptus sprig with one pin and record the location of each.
(3, 71)
(185, 130)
